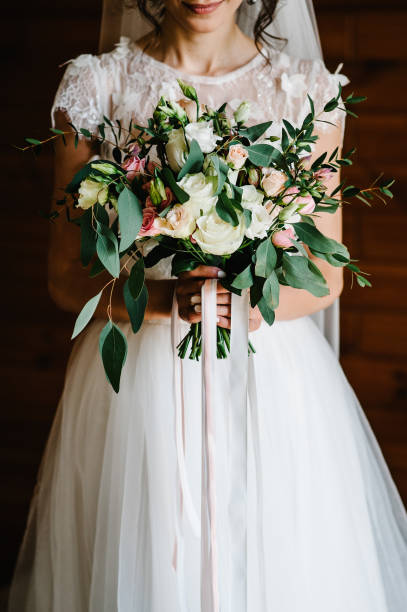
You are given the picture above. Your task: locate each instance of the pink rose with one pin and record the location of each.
(148, 227)
(306, 204)
(237, 156)
(323, 175)
(133, 166)
(273, 182)
(283, 238)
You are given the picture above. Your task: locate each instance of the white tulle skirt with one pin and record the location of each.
(100, 534)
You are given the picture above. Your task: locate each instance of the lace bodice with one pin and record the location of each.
(126, 83)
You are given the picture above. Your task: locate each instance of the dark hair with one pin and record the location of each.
(154, 10)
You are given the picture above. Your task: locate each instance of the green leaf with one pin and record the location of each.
(255, 131)
(263, 154)
(130, 218)
(317, 241)
(33, 141)
(271, 291)
(157, 254)
(193, 162)
(267, 313)
(88, 237)
(113, 349)
(136, 278)
(300, 275)
(85, 315)
(135, 307)
(221, 170)
(290, 129)
(266, 258)
(350, 191)
(331, 105)
(107, 249)
(182, 262)
(226, 210)
(244, 280)
(56, 131)
(181, 196)
(85, 132)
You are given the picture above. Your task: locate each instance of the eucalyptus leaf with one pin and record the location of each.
(113, 350)
(244, 280)
(263, 154)
(271, 290)
(193, 162)
(226, 210)
(255, 131)
(180, 195)
(316, 240)
(136, 278)
(300, 275)
(266, 258)
(85, 315)
(267, 313)
(107, 249)
(130, 218)
(135, 307)
(182, 262)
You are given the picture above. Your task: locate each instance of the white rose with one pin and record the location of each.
(202, 132)
(262, 220)
(273, 181)
(251, 195)
(218, 237)
(176, 149)
(237, 156)
(91, 192)
(200, 189)
(179, 222)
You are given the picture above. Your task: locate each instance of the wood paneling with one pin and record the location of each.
(369, 36)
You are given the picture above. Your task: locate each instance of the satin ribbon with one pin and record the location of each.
(241, 380)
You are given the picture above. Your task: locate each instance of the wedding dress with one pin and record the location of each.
(101, 529)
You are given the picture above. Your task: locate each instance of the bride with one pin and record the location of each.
(326, 529)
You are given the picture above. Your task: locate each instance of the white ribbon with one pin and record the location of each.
(236, 597)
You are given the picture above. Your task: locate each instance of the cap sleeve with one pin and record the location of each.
(79, 92)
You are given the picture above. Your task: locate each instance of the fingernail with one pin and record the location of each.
(221, 274)
(197, 308)
(217, 319)
(196, 299)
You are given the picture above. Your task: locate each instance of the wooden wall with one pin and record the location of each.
(369, 36)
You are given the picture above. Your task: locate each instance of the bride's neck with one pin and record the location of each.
(209, 53)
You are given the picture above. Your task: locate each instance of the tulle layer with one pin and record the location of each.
(102, 526)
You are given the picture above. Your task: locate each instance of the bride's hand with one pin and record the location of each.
(188, 291)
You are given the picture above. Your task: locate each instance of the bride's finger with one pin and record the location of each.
(203, 272)
(224, 322)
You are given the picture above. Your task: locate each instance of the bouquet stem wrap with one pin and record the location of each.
(230, 501)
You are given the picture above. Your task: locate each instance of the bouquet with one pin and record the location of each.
(207, 189)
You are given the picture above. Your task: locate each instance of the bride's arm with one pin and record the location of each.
(69, 283)
(295, 303)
